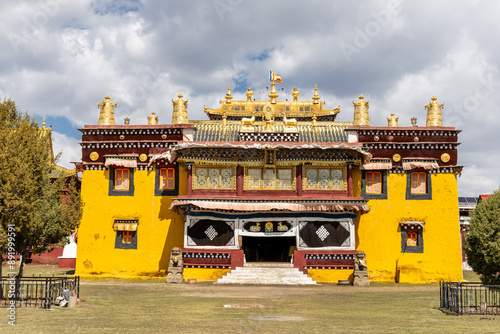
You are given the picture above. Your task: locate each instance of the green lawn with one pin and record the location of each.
(127, 306)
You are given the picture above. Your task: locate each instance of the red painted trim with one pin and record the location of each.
(299, 258)
(239, 180)
(270, 196)
(189, 190)
(349, 181)
(237, 256)
(298, 180)
(67, 263)
(141, 126)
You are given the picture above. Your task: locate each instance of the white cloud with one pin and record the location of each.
(65, 56)
(68, 147)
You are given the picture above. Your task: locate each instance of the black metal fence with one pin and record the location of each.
(470, 298)
(37, 291)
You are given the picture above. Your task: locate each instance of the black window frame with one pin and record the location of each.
(167, 192)
(419, 248)
(115, 192)
(119, 244)
(383, 194)
(428, 186)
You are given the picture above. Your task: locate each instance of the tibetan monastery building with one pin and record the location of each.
(271, 181)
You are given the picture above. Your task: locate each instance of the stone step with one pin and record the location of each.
(266, 276)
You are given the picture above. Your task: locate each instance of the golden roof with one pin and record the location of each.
(236, 109)
(323, 132)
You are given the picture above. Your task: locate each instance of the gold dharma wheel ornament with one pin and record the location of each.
(143, 157)
(94, 156)
(445, 157)
(396, 157)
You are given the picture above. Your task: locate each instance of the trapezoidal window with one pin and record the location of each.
(167, 181)
(121, 181)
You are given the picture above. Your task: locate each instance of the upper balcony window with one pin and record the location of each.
(214, 177)
(258, 178)
(318, 178)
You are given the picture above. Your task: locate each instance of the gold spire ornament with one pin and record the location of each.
(273, 95)
(361, 116)
(180, 115)
(107, 113)
(392, 121)
(153, 119)
(228, 94)
(434, 116)
(315, 96)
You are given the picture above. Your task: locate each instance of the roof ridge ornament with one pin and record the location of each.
(228, 94)
(153, 119)
(107, 112)
(434, 116)
(361, 115)
(392, 121)
(180, 115)
(315, 96)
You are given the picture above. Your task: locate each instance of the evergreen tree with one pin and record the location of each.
(483, 241)
(30, 202)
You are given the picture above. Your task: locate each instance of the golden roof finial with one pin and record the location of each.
(361, 115)
(43, 122)
(273, 94)
(107, 113)
(434, 116)
(153, 119)
(315, 96)
(180, 115)
(249, 94)
(392, 121)
(295, 94)
(228, 94)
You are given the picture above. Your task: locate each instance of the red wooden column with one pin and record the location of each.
(239, 181)
(349, 180)
(190, 181)
(298, 180)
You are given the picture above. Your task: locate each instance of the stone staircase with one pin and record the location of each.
(266, 273)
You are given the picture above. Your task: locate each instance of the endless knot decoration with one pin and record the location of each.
(211, 232)
(322, 233)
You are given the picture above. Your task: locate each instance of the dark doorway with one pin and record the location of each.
(268, 249)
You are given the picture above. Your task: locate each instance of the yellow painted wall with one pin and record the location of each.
(331, 275)
(159, 229)
(378, 233)
(204, 274)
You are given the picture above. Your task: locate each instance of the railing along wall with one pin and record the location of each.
(470, 298)
(37, 291)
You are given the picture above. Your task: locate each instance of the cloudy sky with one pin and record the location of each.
(59, 58)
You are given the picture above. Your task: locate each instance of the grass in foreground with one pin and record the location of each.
(126, 306)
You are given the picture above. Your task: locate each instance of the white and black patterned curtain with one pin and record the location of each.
(208, 232)
(324, 234)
